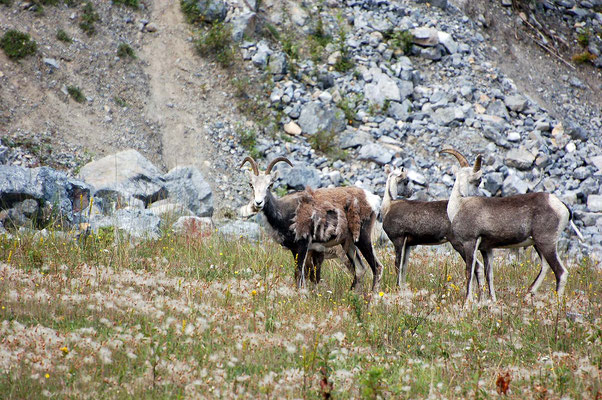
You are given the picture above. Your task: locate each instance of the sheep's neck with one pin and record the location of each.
(387, 199)
(453, 205)
(272, 211)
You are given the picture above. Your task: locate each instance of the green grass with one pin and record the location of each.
(88, 18)
(325, 141)
(129, 3)
(204, 316)
(63, 36)
(76, 93)
(216, 42)
(17, 45)
(126, 51)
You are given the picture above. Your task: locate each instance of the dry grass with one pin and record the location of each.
(202, 316)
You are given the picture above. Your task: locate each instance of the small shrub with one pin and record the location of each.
(130, 3)
(325, 142)
(402, 40)
(241, 87)
(248, 140)
(76, 94)
(290, 47)
(319, 33)
(17, 44)
(63, 36)
(120, 101)
(583, 37)
(581, 58)
(190, 10)
(88, 18)
(217, 43)
(125, 50)
(6, 2)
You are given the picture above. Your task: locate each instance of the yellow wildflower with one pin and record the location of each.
(65, 350)
(47, 375)
(381, 294)
(253, 292)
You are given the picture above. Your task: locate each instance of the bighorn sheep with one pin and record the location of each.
(485, 223)
(410, 222)
(317, 220)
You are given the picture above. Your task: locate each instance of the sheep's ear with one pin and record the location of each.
(275, 175)
(249, 174)
(387, 169)
(455, 169)
(478, 174)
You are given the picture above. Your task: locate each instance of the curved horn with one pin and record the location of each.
(477, 163)
(461, 159)
(275, 161)
(253, 164)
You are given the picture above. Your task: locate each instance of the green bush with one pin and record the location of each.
(17, 44)
(402, 40)
(190, 10)
(216, 42)
(581, 58)
(130, 3)
(88, 18)
(248, 140)
(325, 142)
(63, 36)
(125, 50)
(76, 94)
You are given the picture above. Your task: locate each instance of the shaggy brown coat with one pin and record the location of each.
(329, 214)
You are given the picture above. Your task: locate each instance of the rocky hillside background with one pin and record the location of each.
(339, 87)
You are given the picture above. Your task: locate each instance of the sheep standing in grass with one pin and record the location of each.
(315, 220)
(411, 223)
(486, 223)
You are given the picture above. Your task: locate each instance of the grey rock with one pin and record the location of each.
(493, 182)
(515, 103)
(49, 187)
(125, 175)
(594, 202)
(375, 153)
(514, 185)
(445, 116)
(277, 64)
(575, 131)
(210, 10)
(141, 224)
(448, 42)
(399, 111)
(299, 177)
(317, 117)
(51, 62)
(582, 173)
(243, 25)
(416, 177)
(29, 207)
(187, 225)
(241, 229)
(498, 108)
(431, 53)
(425, 36)
(354, 138)
(381, 88)
(4, 153)
(435, 3)
(519, 158)
(187, 186)
(260, 59)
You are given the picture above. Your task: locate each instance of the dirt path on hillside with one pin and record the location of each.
(185, 94)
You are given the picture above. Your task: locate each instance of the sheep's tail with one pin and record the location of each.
(573, 226)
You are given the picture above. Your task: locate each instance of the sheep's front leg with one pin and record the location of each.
(300, 261)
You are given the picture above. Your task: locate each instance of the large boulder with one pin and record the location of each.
(299, 177)
(137, 223)
(241, 229)
(520, 158)
(317, 117)
(187, 186)
(60, 194)
(125, 176)
(376, 153)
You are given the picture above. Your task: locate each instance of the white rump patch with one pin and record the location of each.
(373, 200)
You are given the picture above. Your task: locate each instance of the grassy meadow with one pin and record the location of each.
(200, 316)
